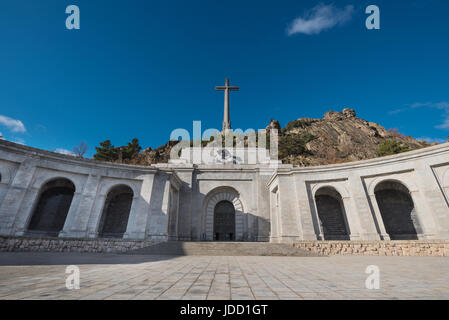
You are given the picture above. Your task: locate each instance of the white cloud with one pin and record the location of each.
(445, 124)
(64, 151)
(12, 124)
(396, 111)
(431, 140)
(443, 106)
(319, 18)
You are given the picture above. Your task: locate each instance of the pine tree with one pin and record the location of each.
(131, 150)
(106, 152)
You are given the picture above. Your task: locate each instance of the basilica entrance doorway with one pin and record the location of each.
(224, 218)
(224, 221)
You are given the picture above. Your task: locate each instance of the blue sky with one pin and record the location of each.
(142, 68)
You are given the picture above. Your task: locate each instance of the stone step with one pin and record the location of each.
(222, 249)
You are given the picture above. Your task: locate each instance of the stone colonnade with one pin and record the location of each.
(401, 197)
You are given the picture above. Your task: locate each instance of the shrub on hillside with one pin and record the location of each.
(390, 147)
(294, 144)
(296, 124)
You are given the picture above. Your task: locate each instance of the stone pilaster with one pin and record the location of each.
(432, 208)
(186, 229)
(95, 216)
(262, 223)
(305, 213)
(157, 226)
(76, 224)
(288, 211)
(15, 197)
(140, 211)
(368, 229)
(352, 219)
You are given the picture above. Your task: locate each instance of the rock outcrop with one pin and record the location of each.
(274, 124)
(343, 137)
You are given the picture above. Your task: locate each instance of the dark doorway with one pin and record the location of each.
(224, 221)
(397, 210)
(117, 207)
(331, 214)
(52, 208)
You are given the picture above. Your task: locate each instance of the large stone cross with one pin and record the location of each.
(226, 116)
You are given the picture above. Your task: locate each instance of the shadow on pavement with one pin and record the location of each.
(68, 258)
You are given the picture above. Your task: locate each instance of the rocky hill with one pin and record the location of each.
(338, 137)
(150, 156)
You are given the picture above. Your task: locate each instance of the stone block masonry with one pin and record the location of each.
(326, 248)
(21, 244)
(377, 248)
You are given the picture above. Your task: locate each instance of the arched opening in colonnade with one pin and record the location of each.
(397, 210)
(116, 210)
(50, 212)
(331, 214)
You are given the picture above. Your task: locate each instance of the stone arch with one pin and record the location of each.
(116, 211)
(110, 183)
(397, 210)
(331, 214)
(44, 177)
(338, 187)
(212, 199)
(53, 204)
(404, 180)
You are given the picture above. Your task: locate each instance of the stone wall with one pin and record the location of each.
(377, 248)
(368, 248)
(17, 244)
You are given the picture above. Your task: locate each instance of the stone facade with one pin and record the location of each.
(424, 174)
(25, 172)
(176, 201)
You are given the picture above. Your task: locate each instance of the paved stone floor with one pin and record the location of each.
(108, 276)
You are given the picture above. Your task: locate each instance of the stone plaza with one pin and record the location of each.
(109, 276)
